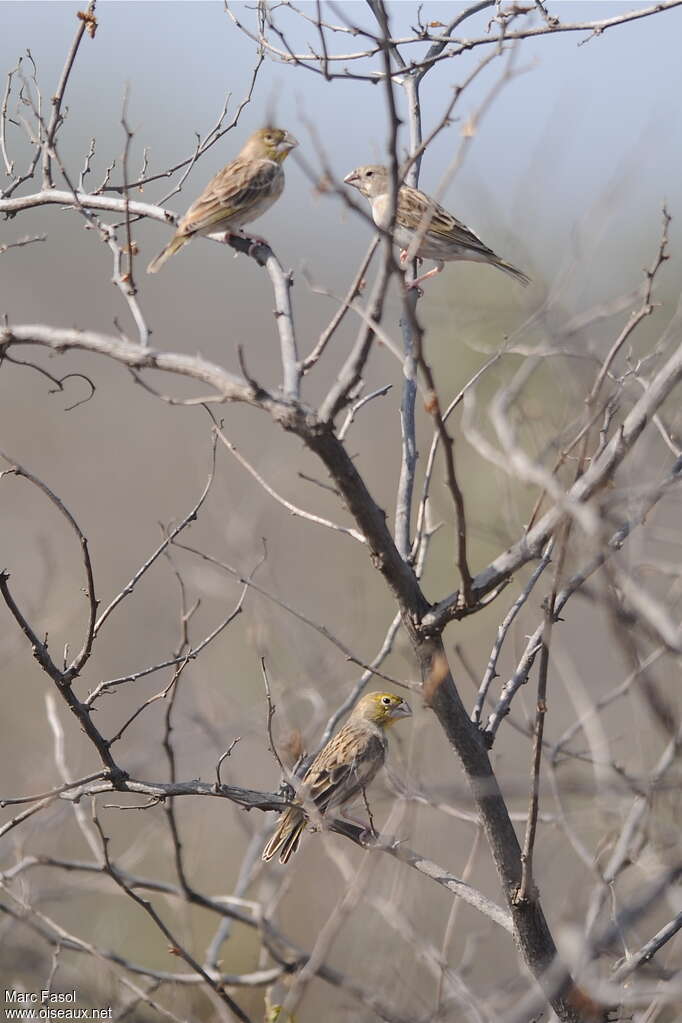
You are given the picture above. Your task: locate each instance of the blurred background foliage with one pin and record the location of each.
(565, 177)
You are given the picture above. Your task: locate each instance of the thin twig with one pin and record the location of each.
(355, 288)
(503, 629)
(177, 947)
(87, 23)
(527, 891)
(292, 508)
(272, 746)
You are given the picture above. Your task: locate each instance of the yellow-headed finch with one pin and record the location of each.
(342, 769)
(238, 194)
(441, 236)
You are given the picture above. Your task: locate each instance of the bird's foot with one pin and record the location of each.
(368, 835)
(254, 241)
(350, 819)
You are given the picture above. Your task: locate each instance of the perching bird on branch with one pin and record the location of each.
(238, 194)
(423, 228)
(341, 770)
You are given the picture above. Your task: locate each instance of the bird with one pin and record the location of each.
(240, 193)
(344, 767)
(437, 234)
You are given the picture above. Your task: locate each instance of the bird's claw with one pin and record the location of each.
(254, 240)
(368, 835)
(256, 243)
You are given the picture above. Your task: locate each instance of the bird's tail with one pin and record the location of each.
(518, 275)
(176, 242)
(286, 837)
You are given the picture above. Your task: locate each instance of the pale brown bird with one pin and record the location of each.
(342, 769)
(442, 237)
(238, 194)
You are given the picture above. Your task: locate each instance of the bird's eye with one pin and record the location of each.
(387, 701)
(369, 174)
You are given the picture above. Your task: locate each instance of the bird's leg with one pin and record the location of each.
(257, 239)
(367, 830)
(438, 268)
(403, 264)
(345, 816)
(373, 833)
(254, 239)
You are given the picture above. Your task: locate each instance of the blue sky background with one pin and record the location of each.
(584, 122)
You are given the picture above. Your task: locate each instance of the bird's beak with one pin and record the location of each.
(352, 179)
(288, 143)
(403, 710)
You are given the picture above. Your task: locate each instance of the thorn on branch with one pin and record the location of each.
(257, 389)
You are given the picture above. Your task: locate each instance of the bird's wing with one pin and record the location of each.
(335, 778)
(239, 186)
(415, 207)
(326, 783)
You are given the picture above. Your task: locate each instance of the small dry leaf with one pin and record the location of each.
(437, 675)
(90, 22)
(174, 950)
(469, 128)
(431, 403)
(586, 1005)
(323, 185)
(292, 747)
